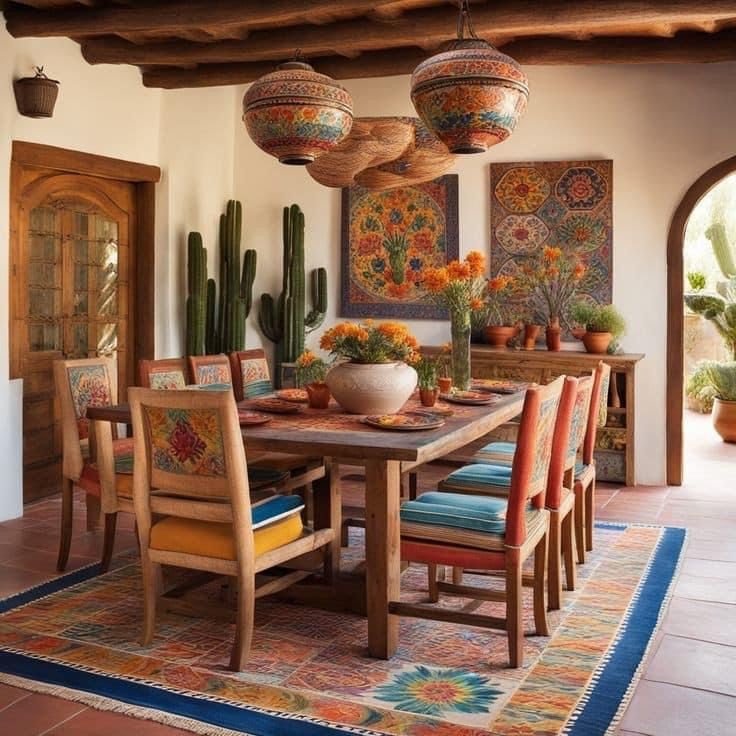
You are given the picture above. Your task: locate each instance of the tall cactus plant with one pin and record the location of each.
(197, 299)
(284, 321)
(219, 324)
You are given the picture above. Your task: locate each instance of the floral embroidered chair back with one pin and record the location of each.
(598, 413)
(251, 377)
(579, 422)
(80, 384)
(532, 456)
(165, 374)
(210, 369)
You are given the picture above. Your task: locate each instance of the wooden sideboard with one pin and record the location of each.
(615, 446)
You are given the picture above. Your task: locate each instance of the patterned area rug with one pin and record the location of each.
(309, 673)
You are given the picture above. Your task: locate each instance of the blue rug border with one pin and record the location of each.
(595, 717)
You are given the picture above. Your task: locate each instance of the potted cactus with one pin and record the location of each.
(603, 324)
(721, 378)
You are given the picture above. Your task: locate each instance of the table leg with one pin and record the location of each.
(382, 554)
(328, 513)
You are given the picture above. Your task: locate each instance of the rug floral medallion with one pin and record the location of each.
(309, 672)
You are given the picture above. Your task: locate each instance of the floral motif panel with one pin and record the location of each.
(389, 239)
(214, 373)
(167, 380)
(565, 204)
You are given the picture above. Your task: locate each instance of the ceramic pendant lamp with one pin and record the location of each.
(469, 95)
(296, 114)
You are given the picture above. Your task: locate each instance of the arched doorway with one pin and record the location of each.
(675, 322)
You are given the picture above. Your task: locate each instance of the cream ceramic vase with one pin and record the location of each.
(372, 388)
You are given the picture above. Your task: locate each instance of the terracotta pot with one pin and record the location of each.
(531, 333)
(372, 388)
(498, 336)
(724, 419)
(578, 332)
(552, 337)
(597, 342)
(445, 384)
(319, 394)
(429, 396)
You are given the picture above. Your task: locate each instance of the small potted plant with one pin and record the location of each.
(499, 331)
(698, 390)
(427, 379)
(721, 378)
(310, 373)
(603, 324)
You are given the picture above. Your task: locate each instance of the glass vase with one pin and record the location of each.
(460, 359)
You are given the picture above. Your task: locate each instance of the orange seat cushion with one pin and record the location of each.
(215, 539)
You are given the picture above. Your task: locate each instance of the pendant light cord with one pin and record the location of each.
(464, 21)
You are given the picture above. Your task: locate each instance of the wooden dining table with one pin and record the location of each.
(385, 454)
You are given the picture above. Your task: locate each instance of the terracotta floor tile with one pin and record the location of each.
(36, 714)
(695, 664)
(704, 589)
(92, 722)
(712, 549)
(713, 569)
(658, 709)
(45, 560)
(9, 695)
(13, 579)
(714, 622)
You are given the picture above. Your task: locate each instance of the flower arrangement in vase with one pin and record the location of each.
(371, 374)
(552, 279)
(460, 288)
(500, 290)
(311, 372)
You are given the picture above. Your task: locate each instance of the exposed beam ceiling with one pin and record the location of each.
(212, 42)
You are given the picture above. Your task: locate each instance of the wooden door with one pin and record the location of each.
(70, 298)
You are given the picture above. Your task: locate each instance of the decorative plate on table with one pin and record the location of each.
(251, 417)
(410, 420)
(470, 397)
(275, 406)
(436, 411)
(499, 385)
(298, 395)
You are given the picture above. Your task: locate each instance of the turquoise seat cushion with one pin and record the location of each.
(476, 513)
(254, 389)
(213, 387)
(479, 476)
(275, 508)
(498, 453)
(262, 477)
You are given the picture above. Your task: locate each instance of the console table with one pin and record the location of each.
(615, 447)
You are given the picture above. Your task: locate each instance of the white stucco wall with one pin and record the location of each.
(662, 126)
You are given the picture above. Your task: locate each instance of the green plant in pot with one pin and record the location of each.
(698, 389)
(428, 371)
(721, 377)
(603, 325)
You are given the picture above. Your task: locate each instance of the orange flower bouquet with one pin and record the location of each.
(367, 342)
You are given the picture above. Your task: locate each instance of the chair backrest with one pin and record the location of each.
(79, 384)
(251, 377)
(531, 458)
(598, 413)
(558, 461)
(189, 449)
(579, 423)
(167, 373)
(209, 369)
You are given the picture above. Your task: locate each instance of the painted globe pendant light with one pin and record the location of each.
(469, 95)
(296, 114)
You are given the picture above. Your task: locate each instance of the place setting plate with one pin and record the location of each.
(251, 418)
(499, 385)
(297, 395)
(474, 398)
(405, 422)
(275, 406)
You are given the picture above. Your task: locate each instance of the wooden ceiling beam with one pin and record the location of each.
(497, 22)
(687, 47)
(185, 15)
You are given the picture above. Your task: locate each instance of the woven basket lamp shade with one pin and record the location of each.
(296, 114)
(470, 95)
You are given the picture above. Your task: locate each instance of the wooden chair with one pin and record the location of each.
(167, 373)
(251, 375)
(99, 464)
(210, 369)
(584, 484)
(490, 533)
(189, 450)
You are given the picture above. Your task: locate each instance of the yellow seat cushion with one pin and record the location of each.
(215, 539)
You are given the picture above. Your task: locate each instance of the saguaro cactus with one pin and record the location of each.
(197, 299)
(283, 320)
(221, 321)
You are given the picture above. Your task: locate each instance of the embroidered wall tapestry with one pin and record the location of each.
(565, 204)
(387, 239)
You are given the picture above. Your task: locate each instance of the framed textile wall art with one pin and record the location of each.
(388, 238)
(561, 204)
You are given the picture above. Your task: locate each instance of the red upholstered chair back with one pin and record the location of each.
(167, 373)
(209, 369)
(598, 409)
(560, 442)
(531, 458)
